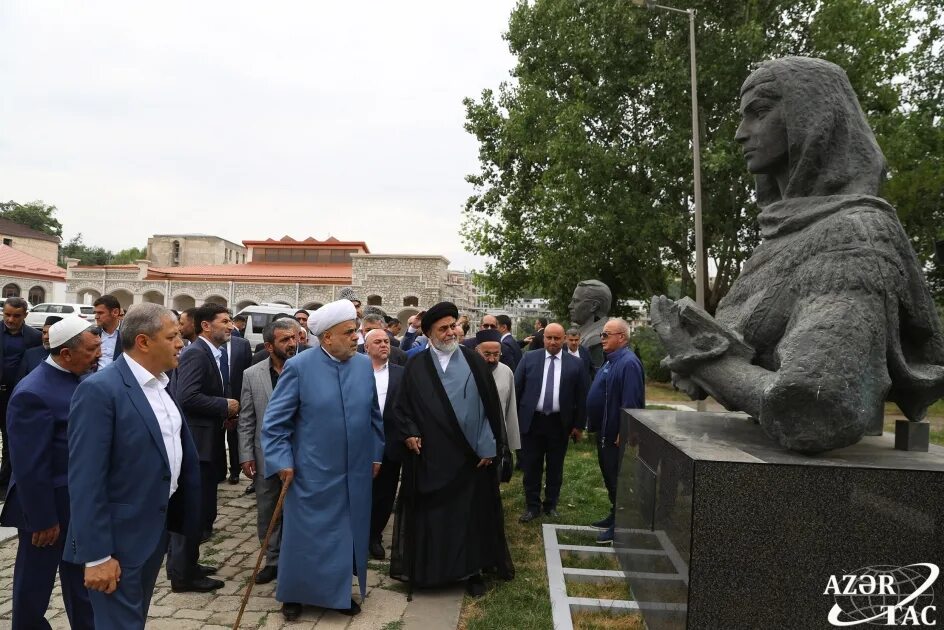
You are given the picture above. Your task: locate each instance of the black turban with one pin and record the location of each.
(488, 334)
(52, 319)
(436, 313)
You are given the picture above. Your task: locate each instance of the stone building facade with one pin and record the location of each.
(181, 250)
(399, 284)
(29, 241)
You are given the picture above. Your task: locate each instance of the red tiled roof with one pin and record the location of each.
(19, 263)
(289, 241)
(265, 272)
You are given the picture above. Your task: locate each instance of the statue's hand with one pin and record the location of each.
(686, 348)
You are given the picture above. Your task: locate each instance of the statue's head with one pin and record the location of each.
(591, 299)
(801, 121)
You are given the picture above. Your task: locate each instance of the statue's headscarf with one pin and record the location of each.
(832, 150)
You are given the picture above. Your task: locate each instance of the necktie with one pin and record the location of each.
(548, 406)
(224, 370)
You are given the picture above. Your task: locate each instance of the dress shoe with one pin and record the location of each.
(603, 523)
(267, 574)
(605, 537)
(377, 551)
(474, 586)
(552, 512)
(205, 570)
(233, 480)
(527, 517)
(197, 585)
(355, 609)
(250, 489)
(291, 611)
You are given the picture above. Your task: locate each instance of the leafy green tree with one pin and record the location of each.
(76, 248)
(585, 157)
(648, 346)
(128, 256)
(35, 214)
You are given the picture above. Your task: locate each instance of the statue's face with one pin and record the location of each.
(762, 133)
(583, 306)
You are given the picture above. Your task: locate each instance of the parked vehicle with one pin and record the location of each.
(259, 316)
(38, 314)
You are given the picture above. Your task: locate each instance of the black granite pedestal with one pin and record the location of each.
(718, 527)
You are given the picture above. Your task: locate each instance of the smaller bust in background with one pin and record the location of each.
(588, 310)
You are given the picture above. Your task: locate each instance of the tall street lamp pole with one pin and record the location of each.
(700, 267)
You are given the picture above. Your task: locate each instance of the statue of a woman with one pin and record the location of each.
(831, 315)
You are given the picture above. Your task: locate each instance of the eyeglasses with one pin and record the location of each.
(491, 355)
(605, 335)
(489, 326)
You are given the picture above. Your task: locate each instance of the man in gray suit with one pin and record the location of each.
(281, 342)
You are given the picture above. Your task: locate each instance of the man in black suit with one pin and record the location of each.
(376, 322)
(387, 377)
(578, 351)
(238, 352)
(15, 339)
(202, 380)
(34, 356)
(551, 388)
(510, 348)
(535, 341)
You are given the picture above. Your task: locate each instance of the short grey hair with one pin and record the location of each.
(16, 302)
(286, 323)
(143, 319)
(623, 325)
(374, 318)
(573, 332)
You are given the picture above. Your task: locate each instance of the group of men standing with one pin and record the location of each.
(121, 464)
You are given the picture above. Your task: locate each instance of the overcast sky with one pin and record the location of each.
(248, 120)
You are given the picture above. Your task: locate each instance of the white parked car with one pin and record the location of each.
(38, 314)
(259, 316)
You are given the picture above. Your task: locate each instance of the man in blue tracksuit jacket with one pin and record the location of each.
(620, 384)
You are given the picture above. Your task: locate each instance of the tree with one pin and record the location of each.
(585, 158)
(76, 248)
(128, 256)
(35, 214)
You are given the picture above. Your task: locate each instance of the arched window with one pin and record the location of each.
(11, 290)
(37, 295)
(411, 300)
(374, 300)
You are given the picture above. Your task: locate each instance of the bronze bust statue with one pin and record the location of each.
(831, 315)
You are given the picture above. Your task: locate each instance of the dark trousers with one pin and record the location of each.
(5, 466)
(384, 494)
(543, 449)
(183, 552)
(608, 456)
(34, 576)
(267, 496)
(232, 443)
(127, 607)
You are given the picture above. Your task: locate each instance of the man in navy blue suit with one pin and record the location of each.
(38, 501)
(239, 355)
(578, 351)
(551, 387)
(33, 357)
(511, 351)
(133, 471)
(387, 377)
(15, 340)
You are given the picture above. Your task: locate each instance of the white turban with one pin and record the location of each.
(331, 314)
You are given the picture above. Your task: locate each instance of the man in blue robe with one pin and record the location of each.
(323, 433)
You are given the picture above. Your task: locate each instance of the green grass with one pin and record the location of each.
(524, 603)
(393, 625)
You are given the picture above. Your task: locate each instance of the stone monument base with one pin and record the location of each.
(718, 527)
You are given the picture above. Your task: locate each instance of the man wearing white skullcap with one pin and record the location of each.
(324, 422)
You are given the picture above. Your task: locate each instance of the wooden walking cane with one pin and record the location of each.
(265, 545)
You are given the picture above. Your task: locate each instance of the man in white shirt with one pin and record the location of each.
(133, 471)
(387, 377)
(108, 317)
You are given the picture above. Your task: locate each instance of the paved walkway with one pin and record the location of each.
(234, 548)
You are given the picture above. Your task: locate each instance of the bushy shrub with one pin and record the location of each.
(650, 350)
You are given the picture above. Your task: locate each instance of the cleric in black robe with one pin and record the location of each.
(449, 524)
